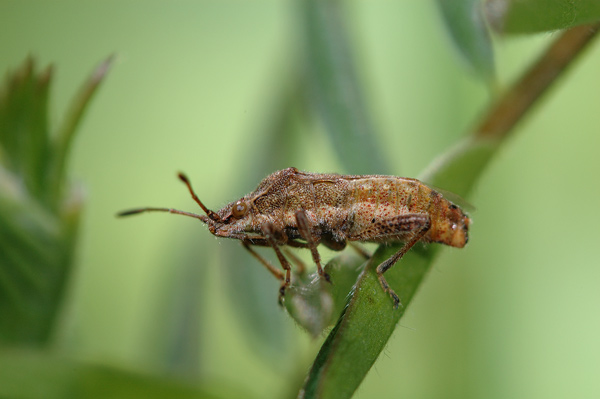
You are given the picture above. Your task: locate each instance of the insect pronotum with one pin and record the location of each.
(303, 210)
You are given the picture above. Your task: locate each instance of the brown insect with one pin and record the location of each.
(303, 210)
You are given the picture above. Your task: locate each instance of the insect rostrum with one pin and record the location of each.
(303, 210)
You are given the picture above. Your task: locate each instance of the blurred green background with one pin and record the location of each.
(195, 87)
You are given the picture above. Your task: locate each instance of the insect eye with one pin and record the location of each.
(239, 209)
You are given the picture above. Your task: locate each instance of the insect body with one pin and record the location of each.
(303, 210)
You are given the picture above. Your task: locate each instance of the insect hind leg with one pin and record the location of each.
(418, 225)
(305, 231)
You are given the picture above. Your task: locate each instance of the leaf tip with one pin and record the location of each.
(495, 12)
(103, 69)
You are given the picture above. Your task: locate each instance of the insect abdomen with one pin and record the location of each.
(380, 198)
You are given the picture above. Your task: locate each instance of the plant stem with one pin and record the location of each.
(516, 102)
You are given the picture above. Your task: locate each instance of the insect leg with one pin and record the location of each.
(279, 275)
(268, 230)
(417, 223)
(305, 232)
(263, 242)
(300, 267)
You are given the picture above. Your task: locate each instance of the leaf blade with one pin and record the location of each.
(66, 132)
(26, 374)
(465, 23)
(530, 16)
(39, 221)
(336, 90)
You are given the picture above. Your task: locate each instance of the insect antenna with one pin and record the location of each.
(209, 214)
(203, 218)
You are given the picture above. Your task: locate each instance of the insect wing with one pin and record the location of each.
(456, 199)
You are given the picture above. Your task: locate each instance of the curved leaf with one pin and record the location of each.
(32, 375)
(35, 260)
(529, 16)
(316, 304)
(465, 23)
(336, 91)
(66, 133)
(24, 133)
(38, 220)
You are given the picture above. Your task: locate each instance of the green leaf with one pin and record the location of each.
(314, 303)
(24, 135)
(37, 375)
(36, 249)
(38, 221)
(530, 16)
(369, 320)
(335, 88)
(465, 23)
(458, 168)
(365, 327)
(66, 132)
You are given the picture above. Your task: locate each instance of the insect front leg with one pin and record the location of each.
(304, 229)
(264, 242)
(279, 275)
(418, 224)
(270, 234)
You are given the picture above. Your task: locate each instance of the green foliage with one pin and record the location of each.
(466, 26)
(39, 216)
(316, 304)
(530, 16)
(28, 375)
(335, 91)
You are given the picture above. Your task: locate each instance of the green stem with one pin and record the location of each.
(518, 100)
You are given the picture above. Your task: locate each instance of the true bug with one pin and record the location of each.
(303, 210)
